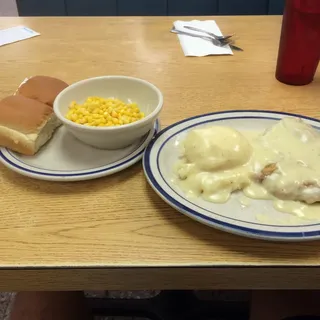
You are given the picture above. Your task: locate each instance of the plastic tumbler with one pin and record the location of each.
(299, 50)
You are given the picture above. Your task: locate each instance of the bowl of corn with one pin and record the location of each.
(109, 112)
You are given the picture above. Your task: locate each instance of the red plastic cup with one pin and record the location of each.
(299, 51)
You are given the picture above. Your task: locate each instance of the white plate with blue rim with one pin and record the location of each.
(163, 152)
(64, 158)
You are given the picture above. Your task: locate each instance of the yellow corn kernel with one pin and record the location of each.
(100, 112)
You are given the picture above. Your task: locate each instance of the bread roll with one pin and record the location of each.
(25, 124)
(42, 88)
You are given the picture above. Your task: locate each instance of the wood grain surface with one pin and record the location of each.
(116, 230)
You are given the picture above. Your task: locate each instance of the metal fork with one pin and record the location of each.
(216, 42)
(221, 38)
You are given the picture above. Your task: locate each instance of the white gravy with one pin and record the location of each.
(216, 161)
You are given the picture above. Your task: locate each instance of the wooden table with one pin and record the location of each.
(115, 232)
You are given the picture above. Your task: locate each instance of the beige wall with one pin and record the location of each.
(8, 8)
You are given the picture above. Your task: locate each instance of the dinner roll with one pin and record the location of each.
(42, 88)
(25, 124)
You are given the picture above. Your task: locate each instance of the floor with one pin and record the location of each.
(7, 298)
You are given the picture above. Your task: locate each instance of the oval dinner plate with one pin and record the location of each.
(259, 219)
(64, 158)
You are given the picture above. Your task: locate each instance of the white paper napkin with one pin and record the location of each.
(15, 34)
(197, 47)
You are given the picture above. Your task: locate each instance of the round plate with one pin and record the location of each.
(163, 152)
(64, 158)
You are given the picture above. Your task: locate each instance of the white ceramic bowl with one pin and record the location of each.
(148, 97)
